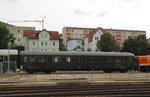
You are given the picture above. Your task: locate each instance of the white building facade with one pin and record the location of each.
(74, 44)
(41, 41)
(91, 40)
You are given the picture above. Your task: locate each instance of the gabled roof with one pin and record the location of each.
(33, 34)
(90, 36)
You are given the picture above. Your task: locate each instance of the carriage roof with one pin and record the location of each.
(67, 53)
(8, 52)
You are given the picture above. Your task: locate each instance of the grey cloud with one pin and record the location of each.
(103, 14)
(81, 12)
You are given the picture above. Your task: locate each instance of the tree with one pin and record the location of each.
(62, 47)
(137, 45)
(107, 43)
(89, 50)
(5, 36)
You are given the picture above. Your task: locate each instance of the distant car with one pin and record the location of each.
(51, 61)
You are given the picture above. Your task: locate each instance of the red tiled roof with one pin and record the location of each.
(33, 34)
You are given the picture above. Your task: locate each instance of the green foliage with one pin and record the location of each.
(107, 43)
(137, 45)
(89, 50)
(62, 48)
(5, 36)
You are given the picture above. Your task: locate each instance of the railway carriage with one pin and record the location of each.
(10, 56)
(144, 63)
(51, 61)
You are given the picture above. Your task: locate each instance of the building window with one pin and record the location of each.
(33, 43)
(53, 43)
(18, 31)
(45, 43)
(41, 43)
(96, 38)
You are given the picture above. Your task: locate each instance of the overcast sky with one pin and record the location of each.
(116, 14)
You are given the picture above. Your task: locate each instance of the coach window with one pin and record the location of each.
(100, 59)
(53, 59)
(56, 59)
(68, 59)
(1, 59)
(25, 59)
(90, 59)
(43, 59)
(81, 59)
(5, 58)
(34, 59)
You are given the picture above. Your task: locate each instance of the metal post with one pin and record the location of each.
(1, 65)
(8, 56)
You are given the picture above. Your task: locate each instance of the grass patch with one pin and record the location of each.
(5, 76)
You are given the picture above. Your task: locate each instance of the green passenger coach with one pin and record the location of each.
(73, 61)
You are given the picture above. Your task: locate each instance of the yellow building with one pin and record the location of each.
(18, 33)
(75, 33)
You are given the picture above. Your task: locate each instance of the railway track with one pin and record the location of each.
(78, 89)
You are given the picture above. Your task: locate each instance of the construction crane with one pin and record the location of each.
(40, 21)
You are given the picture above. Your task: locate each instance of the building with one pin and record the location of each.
(41, 41)
(74, 33)
(17, 31)
(75, 45)
(91, 39)
(120, 35)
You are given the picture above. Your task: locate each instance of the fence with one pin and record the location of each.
(4, 67)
